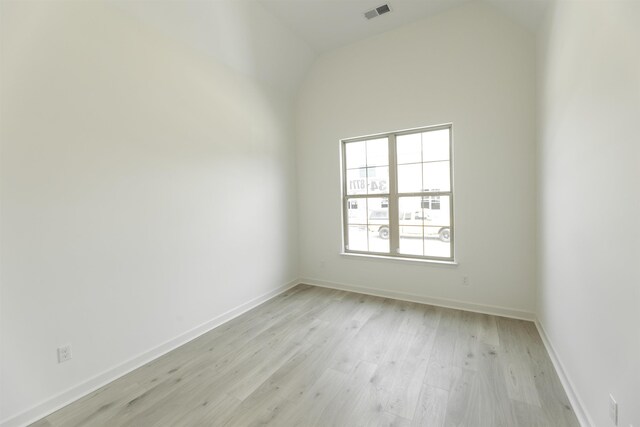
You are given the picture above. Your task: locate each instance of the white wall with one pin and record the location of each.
(148, 182)
(470, 66)
(589, 172)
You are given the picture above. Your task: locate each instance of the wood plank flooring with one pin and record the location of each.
(321, 357)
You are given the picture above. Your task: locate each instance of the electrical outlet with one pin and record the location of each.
(64, 353)
(613, 410)
(465, 280)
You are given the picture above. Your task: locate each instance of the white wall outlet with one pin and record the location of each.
(465, 280)
(64, 353)
(613, 410)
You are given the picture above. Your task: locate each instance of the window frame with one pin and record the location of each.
(393, 196)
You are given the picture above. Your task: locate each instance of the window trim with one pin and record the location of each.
(393, 196)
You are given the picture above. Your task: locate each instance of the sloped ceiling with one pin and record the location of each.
(327, 24)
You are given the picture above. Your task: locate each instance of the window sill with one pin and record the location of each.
(399, 259)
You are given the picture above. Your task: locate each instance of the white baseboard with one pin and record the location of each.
(576, 402)
(74, 393)
(423, 299)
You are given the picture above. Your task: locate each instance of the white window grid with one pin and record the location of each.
(393, 196)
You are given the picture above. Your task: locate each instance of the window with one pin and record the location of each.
(398, 195)
(431, 202)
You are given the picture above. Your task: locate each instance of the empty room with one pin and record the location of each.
(320, 213)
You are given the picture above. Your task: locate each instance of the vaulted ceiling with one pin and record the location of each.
(327, 24)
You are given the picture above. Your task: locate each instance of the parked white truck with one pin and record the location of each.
(411, 223)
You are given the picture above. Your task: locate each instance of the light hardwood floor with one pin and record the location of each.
(321, 357)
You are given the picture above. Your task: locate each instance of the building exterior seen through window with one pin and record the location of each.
(398, 195)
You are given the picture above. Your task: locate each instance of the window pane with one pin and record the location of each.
(378, 214)
(378, 180)
(409, 178)
(411, 240)
(410, 211)
(357, 236)
(356, 181)
(357, 211)
(435, 145)
(355, 153)
(436, 176)
(441, 215)
(409, 149)
(379, 238)
(378, 152)
(437, 242)
(377, 210)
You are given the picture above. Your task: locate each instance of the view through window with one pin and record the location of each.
(398, 195)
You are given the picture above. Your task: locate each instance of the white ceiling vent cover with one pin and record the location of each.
(380, 10)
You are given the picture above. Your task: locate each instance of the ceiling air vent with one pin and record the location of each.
(380, 10)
